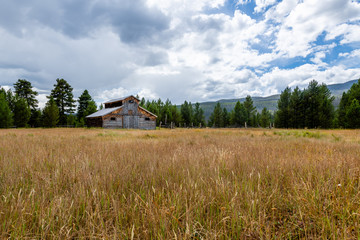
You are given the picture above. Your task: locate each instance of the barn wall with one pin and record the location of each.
(145, 124)
(108, 123)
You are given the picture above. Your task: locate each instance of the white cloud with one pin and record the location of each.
(147, 94)
(308, 20)
(350, 33)
(262, 4)
(112, 94)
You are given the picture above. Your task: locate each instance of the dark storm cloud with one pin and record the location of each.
(132, 20)
(135, 22)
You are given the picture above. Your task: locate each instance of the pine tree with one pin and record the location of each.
(216, 118)
(327, 112)
(283, 113)
(142, 102)
(91, 108)
(36, 118)
(341, 120)
(199, 118)
(238, 115)
(6, 120)
(296, 111)
(344, 117)
(353, 114)
(23, 89)
(265, 118)
(50, 113)
(22, 112)
(186, 113)
(71, 120)
(319, 111)
(10, 98)
(83, 101)
(63, 97)
(176, 116)
(225, 118)
(250, 111)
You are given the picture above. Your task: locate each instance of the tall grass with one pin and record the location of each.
(179, 184)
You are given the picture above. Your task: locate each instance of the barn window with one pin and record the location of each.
(112, 119)
(131, 101)
(147, 119)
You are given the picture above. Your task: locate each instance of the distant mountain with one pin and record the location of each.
(270, 102)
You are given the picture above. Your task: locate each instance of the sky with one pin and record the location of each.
(195, 50)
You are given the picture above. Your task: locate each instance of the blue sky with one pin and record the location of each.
(201, 50)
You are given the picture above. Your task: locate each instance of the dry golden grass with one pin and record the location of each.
(179, 184)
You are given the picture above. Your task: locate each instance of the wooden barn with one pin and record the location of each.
(122, 113)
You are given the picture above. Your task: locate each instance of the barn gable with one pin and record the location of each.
(120, 101)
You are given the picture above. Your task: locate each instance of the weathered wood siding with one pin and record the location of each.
(147, 124)
(113, 122)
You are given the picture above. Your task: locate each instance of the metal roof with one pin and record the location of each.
(103, 112)
(120, 99)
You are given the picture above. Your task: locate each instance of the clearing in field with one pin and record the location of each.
(179, 184)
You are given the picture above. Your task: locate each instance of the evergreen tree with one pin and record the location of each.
(91, 108)
(353, 114)
(341, 120)
(296, 111)
(63, 97)
(10, 98)
(312, 105)
(344, 117)
(6, 120)
(319, 111)
(71, 120)
(283, 113)
(83, 101)
(265, 118)
(199, 117)
(225, 118)
(216, 117)
(22, 112)
(327, 111)
(36, 118)
(23, 89)
(238, 115)
(142, 102)
(176, 116)
(50, 113)
(166, 112)
(250, 111)
(186, 113)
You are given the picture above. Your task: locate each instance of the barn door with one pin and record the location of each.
(131, 122)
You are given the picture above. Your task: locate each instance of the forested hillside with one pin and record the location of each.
(270, 102)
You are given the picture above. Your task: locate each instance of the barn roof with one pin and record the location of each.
(103, 112)
(120, 99)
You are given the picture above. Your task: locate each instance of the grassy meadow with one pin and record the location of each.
(179, 184)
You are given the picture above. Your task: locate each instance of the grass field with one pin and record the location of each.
(179, 184)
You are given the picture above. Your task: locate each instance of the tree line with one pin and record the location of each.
(19, 108)
(243, 115)
(311, 107)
